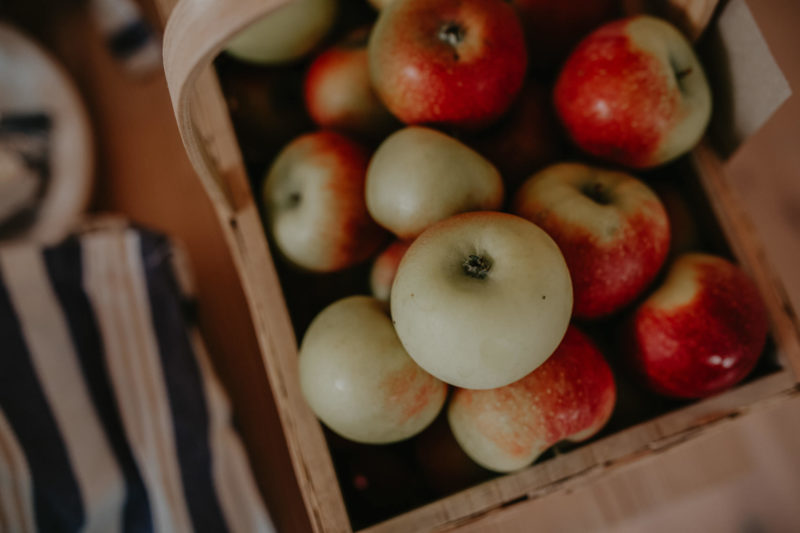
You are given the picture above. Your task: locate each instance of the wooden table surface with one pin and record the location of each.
(743, 476)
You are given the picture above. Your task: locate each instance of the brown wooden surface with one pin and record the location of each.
(143, 172)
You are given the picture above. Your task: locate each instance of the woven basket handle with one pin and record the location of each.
(196, 32)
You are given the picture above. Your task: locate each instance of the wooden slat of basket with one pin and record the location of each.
(593, 460)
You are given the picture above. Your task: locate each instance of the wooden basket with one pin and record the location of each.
(196, 32)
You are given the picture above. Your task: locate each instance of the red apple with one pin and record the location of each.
(384, 269)
(314, 201)
(450, 62)
(526, 139)
(611, 228)
(339, 93)
(633, 92)
(553, 27)
(701, 332)
(571, 396)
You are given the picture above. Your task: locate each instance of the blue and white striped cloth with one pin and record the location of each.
(111, 419)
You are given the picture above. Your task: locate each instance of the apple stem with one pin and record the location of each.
(294, 199)
(452, 33)
(597, 192)
(477, 266)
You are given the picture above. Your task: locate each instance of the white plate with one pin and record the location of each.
(32, 81)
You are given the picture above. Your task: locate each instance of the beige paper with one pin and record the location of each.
(747, 82)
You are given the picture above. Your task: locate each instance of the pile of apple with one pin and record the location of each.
(471, 299)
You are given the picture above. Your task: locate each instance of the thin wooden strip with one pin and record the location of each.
(595, 459)
(306, 442)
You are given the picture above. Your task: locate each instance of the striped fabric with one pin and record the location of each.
(111, 419)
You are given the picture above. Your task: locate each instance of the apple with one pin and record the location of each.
(358, 379)
(314, 201)
(701, 332)
(481, 299)
(451, 62)
(419, 176)
(384, 269)
(339, 94)
(633, 92)
(526, 139)
(287, 34)
(612, 229)
(571, 396)
(553, 27)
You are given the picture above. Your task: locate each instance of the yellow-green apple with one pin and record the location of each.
(481, 299)
(611, 227)
(701, 332)
(384, 269)
(286, 34)
(314, 201)
(633, 92)
(419, 176)
(449, 62)
(571, 396)
(339, 94)
(553, 27)
(526, 139)
(358, 379)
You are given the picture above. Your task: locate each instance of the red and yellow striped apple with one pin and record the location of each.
(314, 201)
(339, 94)
(571, 396)
(451, 62)
(384, 269)
(633, 92)
(611, 227)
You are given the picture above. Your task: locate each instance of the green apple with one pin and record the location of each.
(358, 379)
(419, 176)
(481, 299)
(287, 34)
